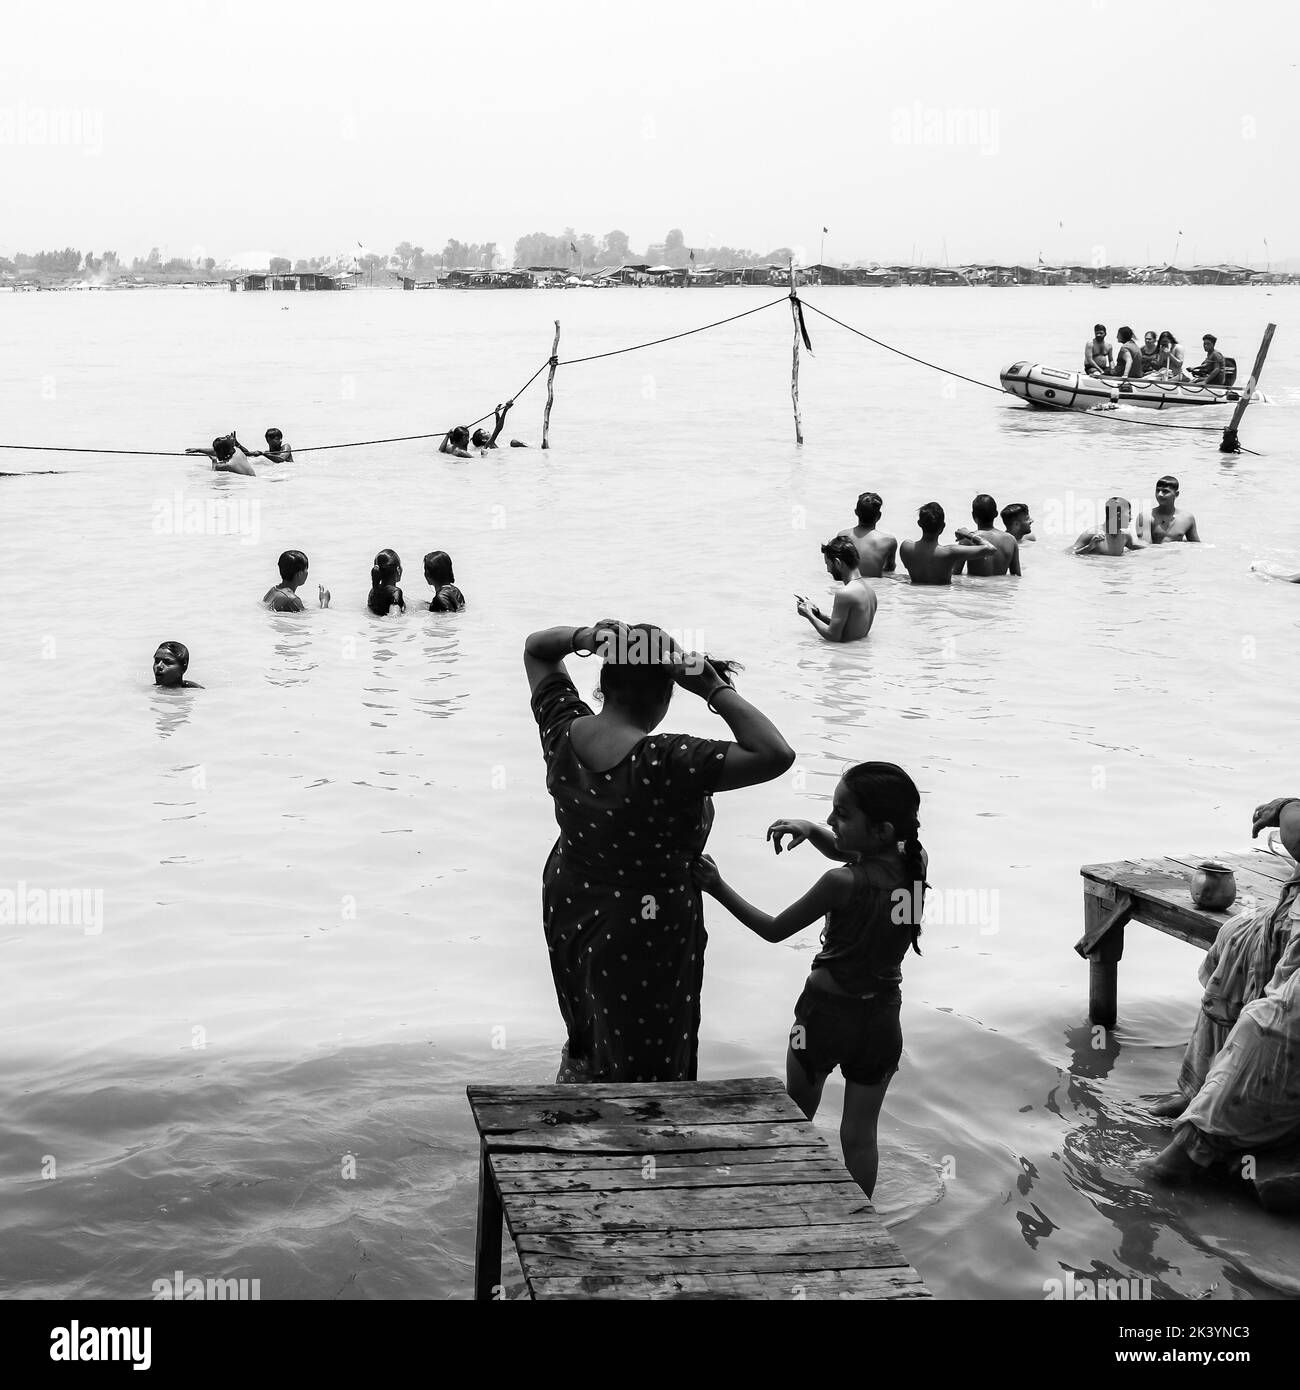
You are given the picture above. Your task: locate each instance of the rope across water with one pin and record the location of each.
(616, 352)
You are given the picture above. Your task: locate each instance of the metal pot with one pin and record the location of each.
(1213, 886)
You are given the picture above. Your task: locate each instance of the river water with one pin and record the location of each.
(318, 878)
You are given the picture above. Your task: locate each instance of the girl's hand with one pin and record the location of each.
(796, 829)
(608, 633)
(324, 595)
(705, 873)
(802, 608)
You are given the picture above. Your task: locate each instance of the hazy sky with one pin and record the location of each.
(1089, 130)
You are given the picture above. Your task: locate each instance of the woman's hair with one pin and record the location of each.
(291, 562)
(1173, 342)
(179, 650)
(384, 574)
(639, 669)
(1126, 335)
(437, 568)
(884, 792)
(1150, 333)
(224, 448)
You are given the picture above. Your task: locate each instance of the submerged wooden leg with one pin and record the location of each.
(487, 1243)
(1102, 945)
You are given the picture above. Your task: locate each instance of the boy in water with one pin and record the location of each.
(876, 550)
(1006, 556)
(481, 439)
(1016, 518)
(170, 662)
(1115, 539)
(283, 597)
(276, 449)
(223, 457)
(1166, 522)
(855, 605)
(928, 562)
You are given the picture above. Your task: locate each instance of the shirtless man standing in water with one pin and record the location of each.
(223, 457)
(1115, 539)
(876, 551)
(1166, 522)
(1006, 556)
(926, 560)
(855, 604)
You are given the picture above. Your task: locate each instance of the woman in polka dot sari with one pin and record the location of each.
(624, 919)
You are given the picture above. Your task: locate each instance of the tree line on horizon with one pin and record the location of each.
(568, 249)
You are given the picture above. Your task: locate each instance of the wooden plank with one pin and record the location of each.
(1103, 919)
(655, 1139)
(1265, 888)
(857, 1246)
(501, 1095)
(775, 1108)
(487, 1239)
(741, 1175)
(506, 1165)
(547, 1266)
(695, 1210)
(796, 1286)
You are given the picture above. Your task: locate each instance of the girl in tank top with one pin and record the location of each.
(848, 1013)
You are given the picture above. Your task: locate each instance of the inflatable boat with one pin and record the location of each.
(1053, 387)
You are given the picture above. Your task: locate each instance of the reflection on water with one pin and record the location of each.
(171, 709)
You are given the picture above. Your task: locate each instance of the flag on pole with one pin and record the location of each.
(692, 255)
(573, 248)
(825, 229)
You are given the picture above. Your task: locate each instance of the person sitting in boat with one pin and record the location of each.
(928, 562)
(1150, 353)
(1213, 371)
(1166, 522)
(1237, 1095)
(223, 457)
(1016, 518)
(1098, 355)
(876, 550)
(1170, 358)
(1115, 539)
(1128, 362)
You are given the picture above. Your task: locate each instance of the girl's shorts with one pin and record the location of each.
(863, 1037)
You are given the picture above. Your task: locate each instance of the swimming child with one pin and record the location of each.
(848, 1013)
(170, 662)
(276, 449)
(439, 576)
(481, 439)
(384, 590)
(283, 597)
(223, 457)
(1115, 539)
(456, 443)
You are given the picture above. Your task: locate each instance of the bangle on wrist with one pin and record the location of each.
(573, 642)
(721, 690)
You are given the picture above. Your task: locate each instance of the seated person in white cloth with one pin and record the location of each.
(1239, 1086)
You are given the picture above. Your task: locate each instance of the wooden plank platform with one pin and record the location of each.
(1158, 893)
(683, 1190)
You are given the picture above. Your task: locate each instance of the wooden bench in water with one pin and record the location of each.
(1157, 892)
(695, 1189)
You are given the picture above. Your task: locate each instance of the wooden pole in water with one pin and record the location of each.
(550, 387)
(794, 370)
(1230, 443)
